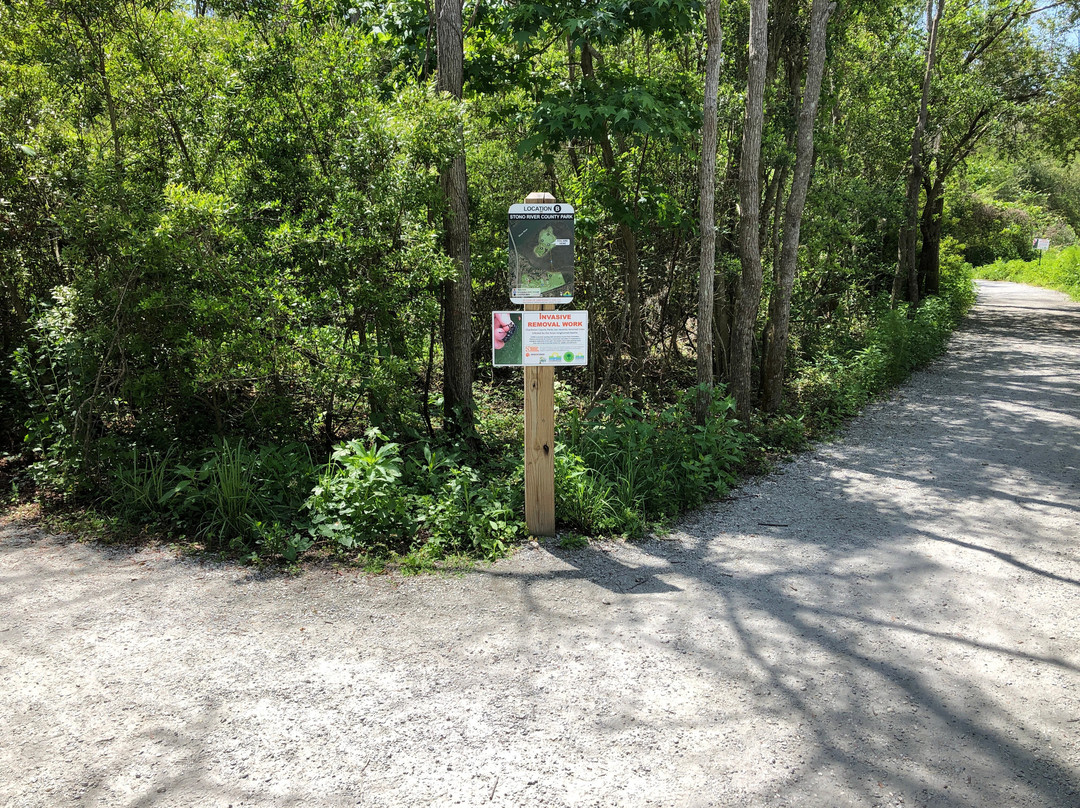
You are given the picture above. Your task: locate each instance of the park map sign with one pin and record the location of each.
(541, 252)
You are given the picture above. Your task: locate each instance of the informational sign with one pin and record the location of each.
(1042, 244)
(541, 252)
(532, 338)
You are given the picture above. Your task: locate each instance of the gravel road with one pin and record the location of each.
(890, 620)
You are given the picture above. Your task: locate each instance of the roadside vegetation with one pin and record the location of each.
(1058, 269)
(249, 251)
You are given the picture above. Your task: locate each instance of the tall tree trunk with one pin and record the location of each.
(707, 196)
(777, 329)
(750, 281)
(930, 225)
(907, 271)
(457, 292)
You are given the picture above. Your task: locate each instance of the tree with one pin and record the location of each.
(989, 76)
(612, 115)
(707, 210)
(906, 265)
(457, 291)
(780, 300)
(750, 280)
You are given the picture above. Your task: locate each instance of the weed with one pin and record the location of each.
(573, 541)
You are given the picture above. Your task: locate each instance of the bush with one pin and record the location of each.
(358, 501)
(623, 465)
(463, 514)
(1058, 269)
(372, 501)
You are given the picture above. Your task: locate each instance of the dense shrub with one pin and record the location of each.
(366, 502)
(1057, 269)
(625, 466)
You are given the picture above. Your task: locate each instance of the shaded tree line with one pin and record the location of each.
(284, 220)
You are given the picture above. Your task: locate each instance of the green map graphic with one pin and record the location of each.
(544, 242)
(541, 258)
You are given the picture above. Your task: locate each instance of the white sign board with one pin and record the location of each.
(556, 338)
(1042, 244)
(541, 241)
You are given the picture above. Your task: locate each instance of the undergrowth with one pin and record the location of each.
(622, 467)
(1057, 269)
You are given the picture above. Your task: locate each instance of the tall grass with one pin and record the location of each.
(1059, 269)
(833, 387)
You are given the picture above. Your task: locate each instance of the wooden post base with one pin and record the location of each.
(540, 445)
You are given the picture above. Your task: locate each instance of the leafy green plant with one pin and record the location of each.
(583, 499)
(627, 465)
(278, 540)
(358, 502)
(228, 495)
(141, 484)
(457, 510)
(230, 498)
(833, 387)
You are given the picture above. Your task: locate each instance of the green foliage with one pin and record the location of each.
(55, 374)
(603, 23)
(140, 486)
(221, 251)
(229, 496)
(833, 387)
(358, 501)
(1003, 203)
(1057, 269)
(573, 541)
(992, 231)
(459, 512)
(366, 502)
(626, 466)
(584, 499)
(622, 104)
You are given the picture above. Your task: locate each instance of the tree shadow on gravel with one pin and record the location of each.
(877, 606)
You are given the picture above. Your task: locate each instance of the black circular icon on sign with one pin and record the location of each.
(558, 208)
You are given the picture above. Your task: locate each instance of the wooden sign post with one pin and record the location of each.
(540, 445)
(540, 432)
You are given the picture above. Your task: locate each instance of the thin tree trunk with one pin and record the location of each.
(930, 225)
(750, 281)
(907, 271)
(457, 292)
(780, 301)
(707, 195)
(99, 50)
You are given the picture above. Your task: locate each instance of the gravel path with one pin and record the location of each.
(889, 620)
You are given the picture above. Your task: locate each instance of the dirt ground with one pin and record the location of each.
(889, 620)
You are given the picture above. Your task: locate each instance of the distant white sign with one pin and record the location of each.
(1042, 244)
(528, 338)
